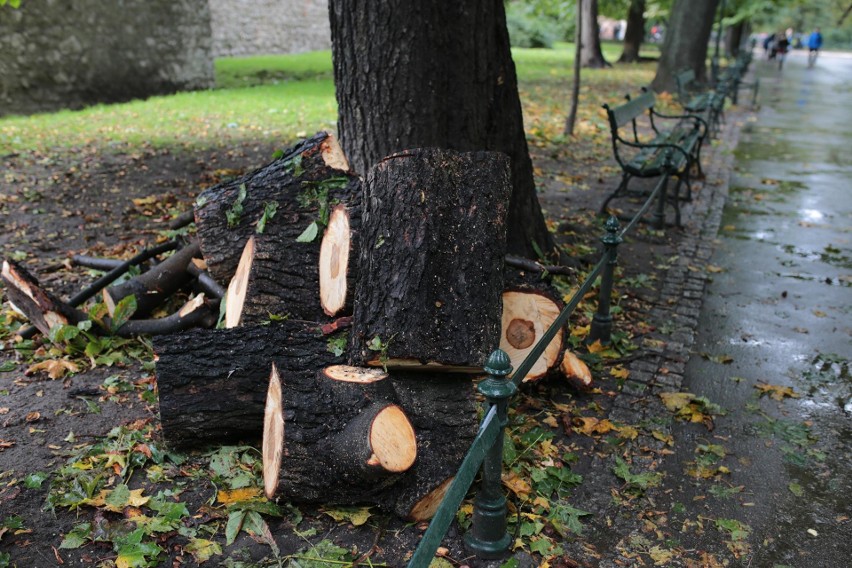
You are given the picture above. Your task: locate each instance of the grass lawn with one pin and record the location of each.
(283, 97)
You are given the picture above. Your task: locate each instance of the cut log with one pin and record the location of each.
(443, 411)
(279, 276)
(527, 313)
(155, 286)
(431, 260)
(43, 309)
(198, 269)
(337, 252)
(575, 371)
(334, 438)
(213, 383)
(304, 183)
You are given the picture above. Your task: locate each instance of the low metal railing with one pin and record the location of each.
(488, 537)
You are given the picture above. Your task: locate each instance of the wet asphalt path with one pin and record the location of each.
(779, 312)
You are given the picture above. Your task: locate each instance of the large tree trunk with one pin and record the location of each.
(634, 35)
(431, 256)
(434, 74)
(734, 37)
(212, 383)
(591, 55)
(687, 35)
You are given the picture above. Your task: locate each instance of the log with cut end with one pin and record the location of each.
(43, 309)
(212, 383)
(431, 260)
(575, 371)
(279, 276)
(303, 183)
(443, 411)
(527, 313)
(155, 286)
(335, 437)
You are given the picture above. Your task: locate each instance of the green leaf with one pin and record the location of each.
(233, 214)
(439, 562)
(269, 210)
(77, 536)
(337, 344)
(309, 234)
(7, 366)
(124, 310)
(637, 480)
(796, 489)
(235, 523)
(35, 479)
(355, 515)
(202, 549)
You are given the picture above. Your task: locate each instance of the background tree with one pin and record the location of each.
(419, 73)
(575, 88)
(634, 35)
(591, 54)
(685, 44)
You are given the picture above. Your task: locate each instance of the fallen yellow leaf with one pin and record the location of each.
(516, 484)
(776, 392)
(237, 495)
(55, 368)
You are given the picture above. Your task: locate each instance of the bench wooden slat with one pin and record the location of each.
(632, 109)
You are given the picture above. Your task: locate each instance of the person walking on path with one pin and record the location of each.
(814, 45)
(781, 46)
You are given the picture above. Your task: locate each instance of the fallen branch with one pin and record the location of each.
(534, 266)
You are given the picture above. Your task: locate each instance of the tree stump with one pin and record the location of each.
(431, 260)
(212, 383)
(334, 437)
(307, 178)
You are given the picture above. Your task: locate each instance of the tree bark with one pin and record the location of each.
(292, 182)
(313, 281)
(591, 55)
(685, 45)
(443, 412)
(212, 383)
(575, 87)
(155, 286)
(329, 439)
(43, 309)
(431, 259)
(434, 74)
(634, 35)
(734, 37)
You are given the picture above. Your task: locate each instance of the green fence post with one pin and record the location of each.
(488, 537)
(601, 327)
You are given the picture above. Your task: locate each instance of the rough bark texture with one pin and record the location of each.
(419, 74)
(687, 35)
(43, 309)
(292, 181)
(443, 412)
(634, 35)
(155, 286)
(431, 258)
(212, 383)
(323, 452)
(591, 55)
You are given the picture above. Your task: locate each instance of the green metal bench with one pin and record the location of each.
(697, 98)
(665, 153)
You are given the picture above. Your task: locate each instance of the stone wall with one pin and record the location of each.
(255, 27)
(70, 53)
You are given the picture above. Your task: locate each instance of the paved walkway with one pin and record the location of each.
(779, 314)
(757, 295)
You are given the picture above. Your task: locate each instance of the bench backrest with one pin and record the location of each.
(629, 111)
(683, 79)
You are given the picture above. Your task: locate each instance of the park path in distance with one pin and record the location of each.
(778, 314)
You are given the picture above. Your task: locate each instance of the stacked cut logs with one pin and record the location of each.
(356, 315)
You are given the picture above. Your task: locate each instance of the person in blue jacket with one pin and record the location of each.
(814, 45)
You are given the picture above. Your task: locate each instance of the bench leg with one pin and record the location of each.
(621, 187)
(660, 213)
